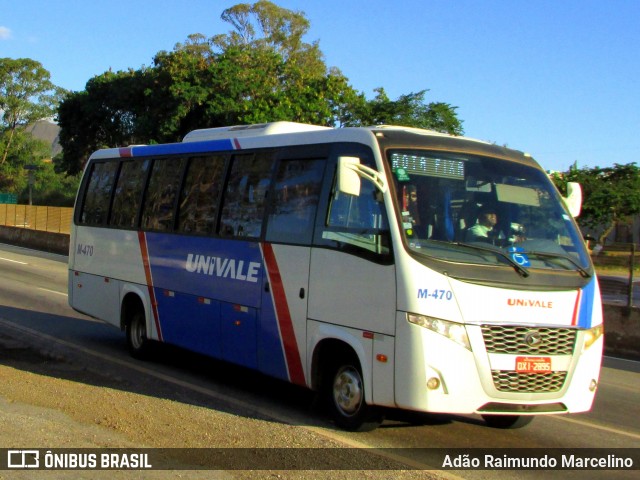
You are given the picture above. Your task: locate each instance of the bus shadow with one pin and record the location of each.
(397, 418)
(93, 353)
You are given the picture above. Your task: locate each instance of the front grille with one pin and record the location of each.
(510, 381)
(513, 340)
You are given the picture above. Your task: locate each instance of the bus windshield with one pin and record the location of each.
(478, 210)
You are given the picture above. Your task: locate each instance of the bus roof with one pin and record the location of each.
(291, 133)
(256, 130)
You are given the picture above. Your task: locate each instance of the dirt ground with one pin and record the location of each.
(46, 402)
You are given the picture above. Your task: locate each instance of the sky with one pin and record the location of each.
(559, 79)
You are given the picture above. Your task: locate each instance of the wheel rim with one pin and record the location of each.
(138, 333)
(347, 391)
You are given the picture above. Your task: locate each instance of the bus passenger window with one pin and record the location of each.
(128, 196)
(244, 198)
(198, 208)
(157, 213)
(96, 201)
(296, 201)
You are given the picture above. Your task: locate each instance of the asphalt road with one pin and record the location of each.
(33, 306)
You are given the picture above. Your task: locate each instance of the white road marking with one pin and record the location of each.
(13, 261)
(53, 291)
(594, 425)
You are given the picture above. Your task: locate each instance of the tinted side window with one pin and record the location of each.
(244, 198)
(128, 196)
(96, 201)
(358, 223)
(159, 203)
(296, 200)
(198, 207)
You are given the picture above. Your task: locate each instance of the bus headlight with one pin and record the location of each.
(593, 334)
(452, 330)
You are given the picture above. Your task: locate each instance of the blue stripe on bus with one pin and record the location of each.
(230, 271)
(183, 148)
(211, 299)
(271, 357)
(585, 314)
(188, 323)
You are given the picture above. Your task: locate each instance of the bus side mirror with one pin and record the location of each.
(573, 200)
(349, 173)
(348, 178)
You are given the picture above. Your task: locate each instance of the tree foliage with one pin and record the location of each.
(261, 71)
(611, 195)
(111, 111)
(409, 110)
(24, 149)
(49, 187)
(26, 95)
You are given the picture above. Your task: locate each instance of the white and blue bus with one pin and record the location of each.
(383, 267)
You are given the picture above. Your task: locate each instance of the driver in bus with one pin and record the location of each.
(483, 230)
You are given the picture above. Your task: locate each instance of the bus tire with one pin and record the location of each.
(138, 344)
(507, 421)
(345, 396)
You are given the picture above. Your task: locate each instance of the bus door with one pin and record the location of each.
(352, 278)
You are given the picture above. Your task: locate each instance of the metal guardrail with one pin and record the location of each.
(34, 217)
(617, 265)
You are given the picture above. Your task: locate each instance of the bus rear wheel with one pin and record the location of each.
(507, 421)
(346, 399)
(136, 331)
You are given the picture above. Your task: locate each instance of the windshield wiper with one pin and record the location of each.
(518, 268)
(579, 268)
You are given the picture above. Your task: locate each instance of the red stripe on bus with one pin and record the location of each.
(236, 144)
(576, 309)
(147, 272)
(125, 152)
(291, 351)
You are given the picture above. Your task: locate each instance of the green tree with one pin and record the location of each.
(260, 71)
(26, 95)
(409, 110)
(23, 150)
(611, 195)
(111, 111)
(264, 25)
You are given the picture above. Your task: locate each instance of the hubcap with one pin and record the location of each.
(138, 333)
(347, 390)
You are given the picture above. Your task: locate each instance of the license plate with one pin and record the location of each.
(533, 364)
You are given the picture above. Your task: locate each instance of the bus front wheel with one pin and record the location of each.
(347, 401)
(136, 331)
